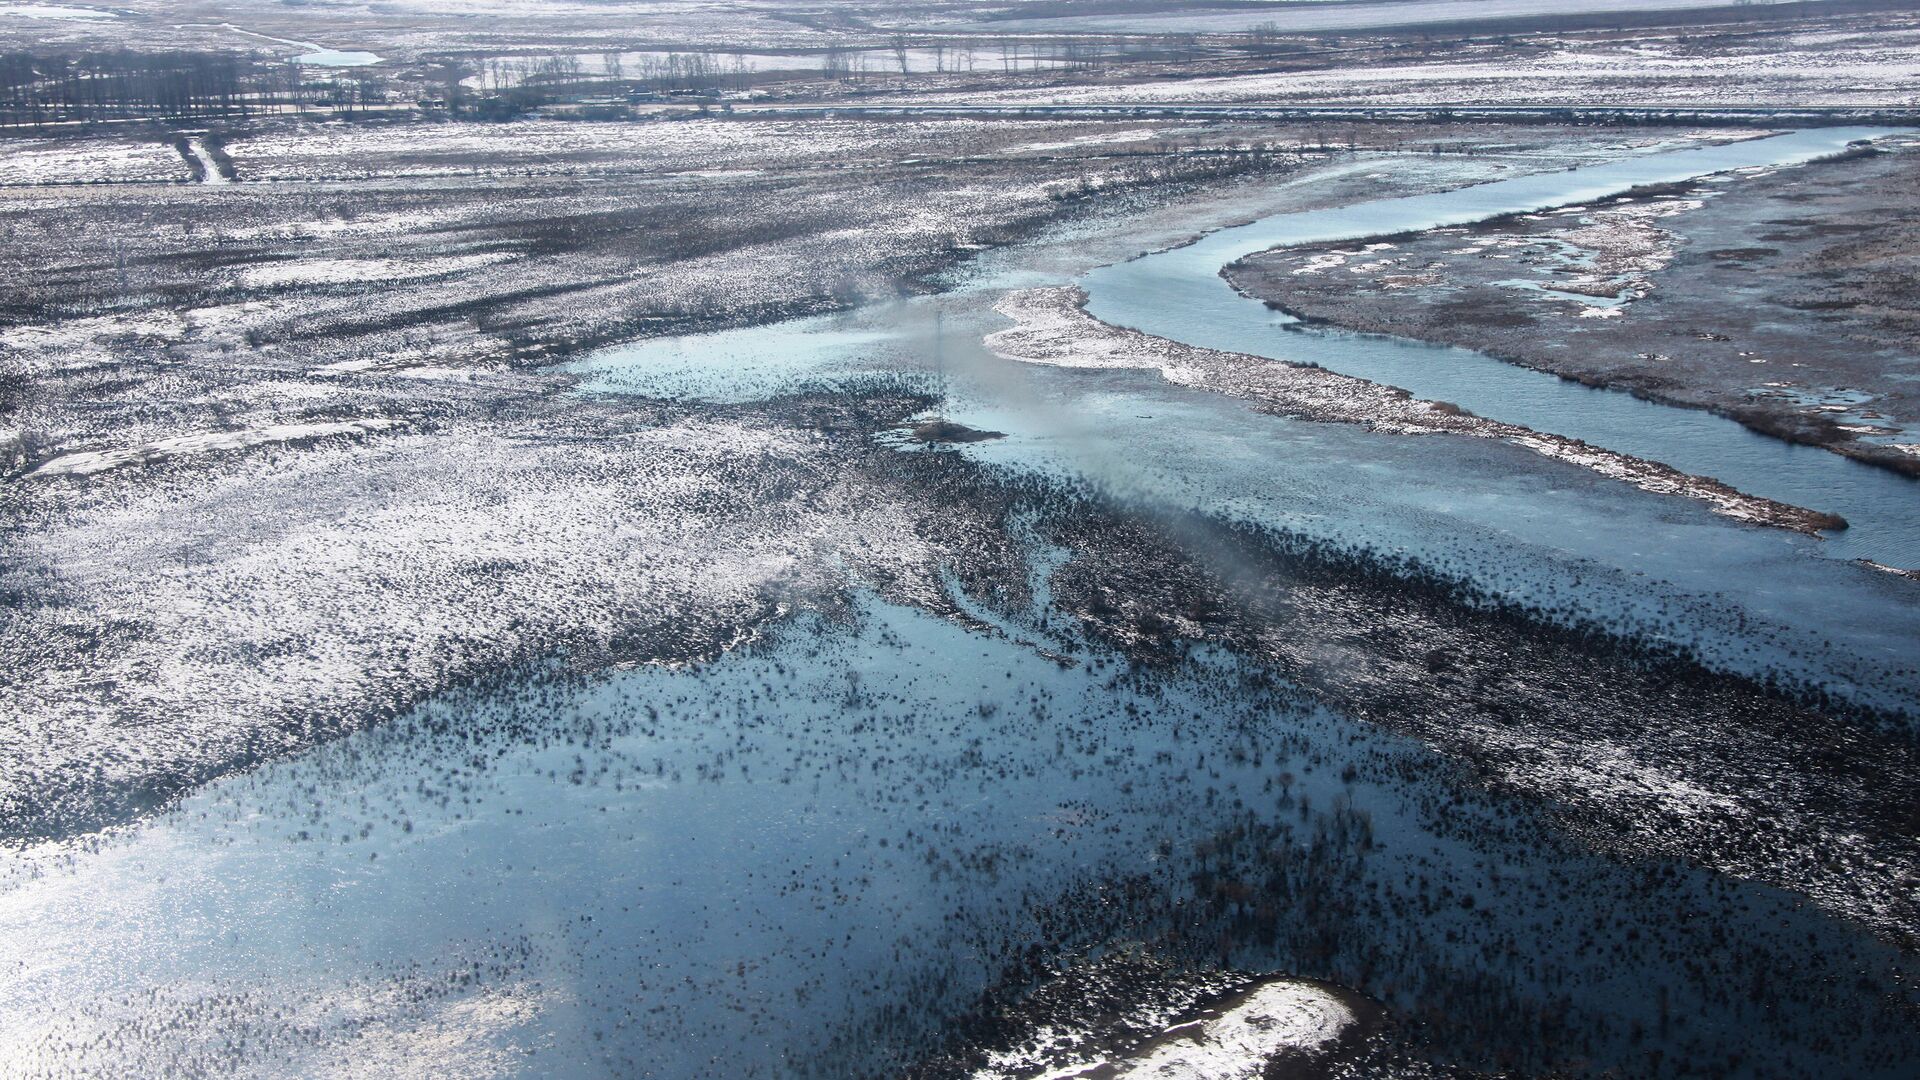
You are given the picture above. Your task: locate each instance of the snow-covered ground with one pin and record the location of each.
(91, 161)
(87, 463)
(1850, 69)
(1300, 15)
(362, 271)
(560, 148)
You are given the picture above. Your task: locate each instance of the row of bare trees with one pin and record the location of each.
(658, 72)
(1009, 55)
(49, 87)
(41, 87)
(63, 87)
(559, 76)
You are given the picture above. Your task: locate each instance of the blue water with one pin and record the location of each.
(710, 367)
(745, 868)
(1180, 294)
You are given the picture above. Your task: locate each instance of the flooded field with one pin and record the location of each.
(823, 854)
(1087, 752)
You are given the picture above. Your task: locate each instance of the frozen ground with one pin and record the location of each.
(476, 603)
(1849, 52)
(1865, 67)
(887, 844)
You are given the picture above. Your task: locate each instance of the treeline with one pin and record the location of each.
(655, 72)
(40, 88)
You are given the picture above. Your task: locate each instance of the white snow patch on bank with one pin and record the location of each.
(209, 169)
(87, 161)
(1275, 1019)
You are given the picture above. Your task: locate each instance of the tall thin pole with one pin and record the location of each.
(940, 359)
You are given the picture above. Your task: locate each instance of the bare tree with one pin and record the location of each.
(1262, 38)
(39, 87)
(835, 65)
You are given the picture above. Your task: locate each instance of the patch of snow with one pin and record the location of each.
(209, 169)
(1274, 1019)
(1319, 264)
(87, 161)
(367, 271)
(89, 462)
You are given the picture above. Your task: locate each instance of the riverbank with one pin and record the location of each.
(1781, 298)
(1053, 327)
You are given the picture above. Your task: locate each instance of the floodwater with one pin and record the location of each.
(316, 55)
(804, 859)
(811, 856)
(337, 58)
(1497, 516)
(1179, 294)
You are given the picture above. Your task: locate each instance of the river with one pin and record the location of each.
(1180, 294)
